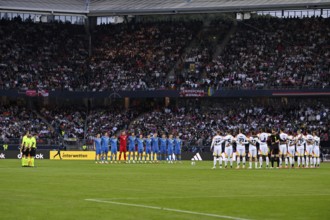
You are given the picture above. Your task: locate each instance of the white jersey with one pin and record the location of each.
(263, 137)
(229, 139)
(291, 141)
(217, 141)
(316, 149)
(241, 140)
(309, 140)
(253, 141)
(300, 140)
(216, 145)
(253, 146)
(291, 146)
(317, 141)
(283, 138)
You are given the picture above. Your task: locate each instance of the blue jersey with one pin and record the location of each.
(140, 143)
(113, 143)
(105, 142)
(148, 143)
(163, 142)
(170, 146)
(177, 145)
(131, 140)
(97, 142)
(155, 144)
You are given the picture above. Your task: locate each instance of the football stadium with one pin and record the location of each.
(171, 109)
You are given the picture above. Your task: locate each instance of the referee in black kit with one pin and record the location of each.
(274, 148)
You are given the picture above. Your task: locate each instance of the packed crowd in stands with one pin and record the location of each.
(69, 122)
(138, 56)
(274, 53)
(262, 53)
(110, 120)
(16, 120)
(45, 56)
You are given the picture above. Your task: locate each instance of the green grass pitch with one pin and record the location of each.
(85, 190)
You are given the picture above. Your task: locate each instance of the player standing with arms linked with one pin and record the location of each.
(309, 149)
(241, 140)
(155, 147)
(263, 147)
(140, 141)
(163, 143)
(316, 150)
(177, 148)
(131, 147)
(123, 145)
(300, 141)
(291, 149)
(229, 140)
(216, 148)
(148, 141)
(105, 147)
(170, 148)
(113, 144)
(253, 140)
(97, 148)
(283, 148)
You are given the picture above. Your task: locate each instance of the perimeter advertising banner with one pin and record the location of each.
(73, 155)
(15, 154)
(90, 155)
(83, 155)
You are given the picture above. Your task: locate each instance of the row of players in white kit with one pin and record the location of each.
(288, 146)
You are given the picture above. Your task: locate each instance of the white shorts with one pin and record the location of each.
(264, 150)
(252, 151)
(217, 151)
(229, 151)
(283, 149)
(300, 151)
(291, 150)
(316, 151)
(240, 150)
(309, 150)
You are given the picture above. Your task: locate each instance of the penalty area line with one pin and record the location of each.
(167, 209)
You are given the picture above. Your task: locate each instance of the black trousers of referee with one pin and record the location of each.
(274, 153)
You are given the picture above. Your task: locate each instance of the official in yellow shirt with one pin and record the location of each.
(24, 149)
(33, 148)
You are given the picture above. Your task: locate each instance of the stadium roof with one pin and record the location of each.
(124, 7)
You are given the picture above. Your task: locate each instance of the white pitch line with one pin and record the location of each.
(199, 197)
(167, 209)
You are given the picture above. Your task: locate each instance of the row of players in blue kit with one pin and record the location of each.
(150, 148)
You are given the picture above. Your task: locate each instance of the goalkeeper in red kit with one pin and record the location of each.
(122, 144)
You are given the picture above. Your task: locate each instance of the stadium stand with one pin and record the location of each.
(263, 53)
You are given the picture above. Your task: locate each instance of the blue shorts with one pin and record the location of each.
(113, 151)
(140, 150)
(155, 150)
(105, 150)
(170, 152)
(131, 148)
(177, 152)
(98, 151)
(163, 150)
(148, 150)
